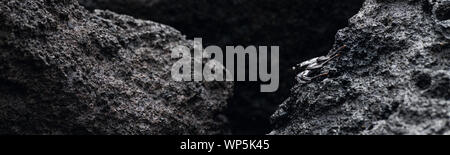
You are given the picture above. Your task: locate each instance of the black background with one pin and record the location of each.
(170, 144)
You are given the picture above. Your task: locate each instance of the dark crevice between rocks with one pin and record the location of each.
(302, 29)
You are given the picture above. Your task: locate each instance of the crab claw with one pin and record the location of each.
(314, 66)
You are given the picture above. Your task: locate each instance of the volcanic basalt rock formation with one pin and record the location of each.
(67, 70)
(64, 70)
(393, 77)
(302, 28)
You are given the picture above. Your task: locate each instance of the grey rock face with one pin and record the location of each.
(66, 71)
(393, 77)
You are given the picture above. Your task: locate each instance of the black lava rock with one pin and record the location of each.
(393, 77)
(64, 70)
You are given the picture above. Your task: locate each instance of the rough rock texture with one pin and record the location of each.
(302, 28)
(64, 70)
(393, 78)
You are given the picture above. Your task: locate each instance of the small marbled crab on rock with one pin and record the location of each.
(311, 69)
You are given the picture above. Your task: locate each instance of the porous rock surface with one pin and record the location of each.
(393, 77)
(64, 70)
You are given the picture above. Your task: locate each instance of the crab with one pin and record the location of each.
(314, 66)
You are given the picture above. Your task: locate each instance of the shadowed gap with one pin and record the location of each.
(302, 28)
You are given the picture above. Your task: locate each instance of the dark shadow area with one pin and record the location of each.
(302, 28)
